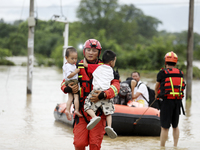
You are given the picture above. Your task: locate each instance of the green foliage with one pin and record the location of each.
(17, 44)
(125, 29)
(6, 62)
(181, 66)
(46, 44)
(196, 72)
(47, 36)
(4, 53)
(124, 23)
(44, 61)
(6, 29)
(197, 53)
(57, 55)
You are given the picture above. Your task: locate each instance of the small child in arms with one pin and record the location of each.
(70, 74)
(102, 77)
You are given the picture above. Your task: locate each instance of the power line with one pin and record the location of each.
(48, 7)
(171, 3)
(22, 10)
(139, 4)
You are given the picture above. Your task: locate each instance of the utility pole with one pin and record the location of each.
(30, 58)
(66, 35)
(57, 18)
(190, 52)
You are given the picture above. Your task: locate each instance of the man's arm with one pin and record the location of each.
(139, 91)
(70, 88)
(136, 95)
(113, 90)
(107, 94)
(133, 84)
(156, 89)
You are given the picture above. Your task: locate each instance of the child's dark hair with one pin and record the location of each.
(69, 50)
(108, 56)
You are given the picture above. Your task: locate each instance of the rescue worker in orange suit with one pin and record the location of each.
(169, 87)
(82, 136)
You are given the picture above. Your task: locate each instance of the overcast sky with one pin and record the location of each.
(173, 13)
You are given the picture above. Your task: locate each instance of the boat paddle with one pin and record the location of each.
(135, 123)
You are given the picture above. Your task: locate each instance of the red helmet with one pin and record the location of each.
(171, 57)
(92, 43)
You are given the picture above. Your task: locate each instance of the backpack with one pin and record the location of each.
(124, 89)
(151, 93)
(124, 95)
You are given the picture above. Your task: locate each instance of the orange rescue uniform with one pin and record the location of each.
(82, 136)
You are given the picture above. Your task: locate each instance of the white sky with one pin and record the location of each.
(173, 13)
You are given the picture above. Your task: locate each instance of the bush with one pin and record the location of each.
(42, 60)
(6, 62)
(4, 53)
(196, 72)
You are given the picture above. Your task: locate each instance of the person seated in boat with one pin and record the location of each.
(126, 92)
(102, 77)
(70, 75)
(141, 94)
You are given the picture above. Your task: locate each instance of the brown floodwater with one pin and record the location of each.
(27, 121)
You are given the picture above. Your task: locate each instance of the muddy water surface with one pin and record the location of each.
(27, 121)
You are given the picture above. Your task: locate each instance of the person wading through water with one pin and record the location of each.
(82, 136)
(169, 87)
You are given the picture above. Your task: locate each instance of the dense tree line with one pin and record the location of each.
(124, 29)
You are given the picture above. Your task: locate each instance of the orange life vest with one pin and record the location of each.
(173, 86)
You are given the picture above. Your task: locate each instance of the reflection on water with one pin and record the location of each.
(27, 121)
(186, 121)
(28, 116)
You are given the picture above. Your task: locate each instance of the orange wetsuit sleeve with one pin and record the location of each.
(113, 90)
(63, 86)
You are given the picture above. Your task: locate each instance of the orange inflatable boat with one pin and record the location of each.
(126, 120)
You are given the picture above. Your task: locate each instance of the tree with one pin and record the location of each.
(17, 22)
(92, 11)
(6, 29)
(17, 43)
(124, 23)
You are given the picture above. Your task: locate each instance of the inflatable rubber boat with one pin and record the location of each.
(126, 120)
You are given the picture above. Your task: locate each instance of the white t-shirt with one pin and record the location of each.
(143, 90)
(102, 77)
(67, 69)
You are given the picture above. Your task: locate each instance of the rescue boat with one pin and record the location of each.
(124, 120)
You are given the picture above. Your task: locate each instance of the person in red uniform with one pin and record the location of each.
(169, 87)
(82, 136)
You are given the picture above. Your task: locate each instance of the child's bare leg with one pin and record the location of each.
(109, 120)
(109, 130)
(91, 113)
(68, 106)
(76, 103)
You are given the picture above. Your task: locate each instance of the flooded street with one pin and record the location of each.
(27, 121)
